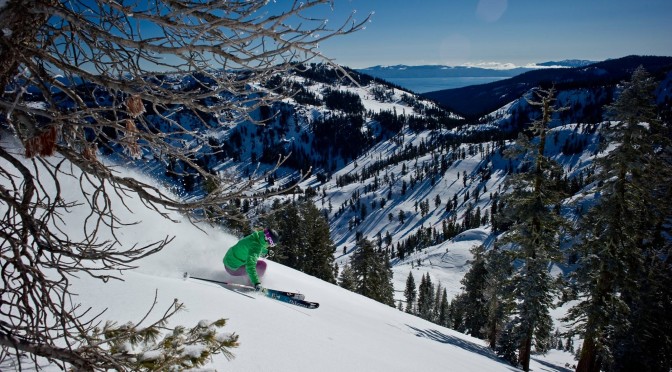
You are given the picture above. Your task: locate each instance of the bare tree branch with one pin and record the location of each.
(138, 80)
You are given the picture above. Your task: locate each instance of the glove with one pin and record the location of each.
(258, 287)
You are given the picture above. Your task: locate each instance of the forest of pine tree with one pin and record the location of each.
(623, 276)
(621, 253)
(305, 242)
(372, 273)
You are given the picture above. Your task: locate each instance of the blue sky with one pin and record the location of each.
(457, 32)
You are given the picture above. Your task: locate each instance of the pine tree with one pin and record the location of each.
(410, 293)
(623, 311)
(319, 248)
(444, 311)
(457, 312)
(348, 279)
(535, 232)
(426, 297)
(644, 342)
(507, 344)
(386, 285)
(306, 244)
(569, 344)
(499, 302)
(285, 219)
(373, 273)
(556, 340)
(437, 303)
(474, 286)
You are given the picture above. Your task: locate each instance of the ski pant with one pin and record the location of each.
(261, 269)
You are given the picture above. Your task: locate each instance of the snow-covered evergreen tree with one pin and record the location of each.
(305, 243)
(535, 232)
(348, 279)
(474, 287)
(643, 343)
(444, 310)
(497, 293)
(410, 293)
(622, 274)
(373, 273)
(426, 297)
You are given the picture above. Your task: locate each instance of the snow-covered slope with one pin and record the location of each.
(347, 333)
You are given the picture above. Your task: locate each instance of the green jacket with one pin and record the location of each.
(246, 252)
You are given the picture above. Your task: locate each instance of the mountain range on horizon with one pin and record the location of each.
(475, 101)
(473, 92)
(429, 78)
(472, 70)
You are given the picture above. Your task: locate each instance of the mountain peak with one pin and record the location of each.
(567, 63)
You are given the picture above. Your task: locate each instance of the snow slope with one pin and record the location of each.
(347, 333)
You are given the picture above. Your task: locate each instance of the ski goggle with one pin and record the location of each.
(269, 239)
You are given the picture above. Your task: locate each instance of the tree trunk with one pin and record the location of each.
(492, 335)
(525, 352)
(589, 361)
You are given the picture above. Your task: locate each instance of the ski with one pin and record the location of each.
(293, 301)
(267, 291)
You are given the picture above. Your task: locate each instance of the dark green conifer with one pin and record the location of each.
(498, 293)
(426, 297)
(473, 285)
(373, 272)
(348, 279)
(306, 243)
(410, 293)
(534, 233)
(444, 311)
(622, 275)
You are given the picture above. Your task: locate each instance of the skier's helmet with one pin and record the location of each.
(272, 237)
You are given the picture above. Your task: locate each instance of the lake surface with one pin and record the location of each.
(424, 85)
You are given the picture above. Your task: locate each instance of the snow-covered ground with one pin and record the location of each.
(446, 263)
(348, 332)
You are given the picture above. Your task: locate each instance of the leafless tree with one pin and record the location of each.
(85, 78)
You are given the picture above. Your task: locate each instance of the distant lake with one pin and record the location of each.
(424, 85)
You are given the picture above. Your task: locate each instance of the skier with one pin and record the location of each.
(244, 256)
